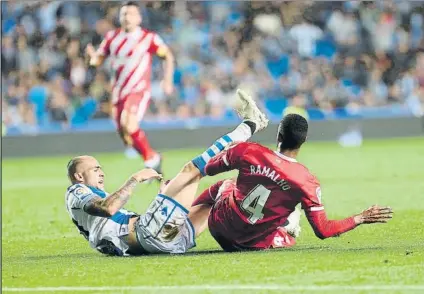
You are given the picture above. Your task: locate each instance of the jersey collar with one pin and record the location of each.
(99, 192)
(285, 157)
(134, 33)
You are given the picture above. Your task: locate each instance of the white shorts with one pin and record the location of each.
(165, 227)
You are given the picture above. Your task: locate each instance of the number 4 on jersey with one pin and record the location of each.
(254, 203)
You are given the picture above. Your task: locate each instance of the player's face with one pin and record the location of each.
(130, 17)
(92, 173)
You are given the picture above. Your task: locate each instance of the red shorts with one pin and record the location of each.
(231, 232)
(134, 103)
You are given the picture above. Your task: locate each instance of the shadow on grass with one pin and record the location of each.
(305, 249)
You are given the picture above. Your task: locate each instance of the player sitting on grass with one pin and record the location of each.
(249, 213)
(167, 226)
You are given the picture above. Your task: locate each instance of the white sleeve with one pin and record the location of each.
(78, 195)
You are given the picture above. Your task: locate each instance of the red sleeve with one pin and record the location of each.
(157, 46)
(315, 213)
(226, 160)
(104, 48)
(325, 228)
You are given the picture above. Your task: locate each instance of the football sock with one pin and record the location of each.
(242, 133)
(153, 162)
(141, 144)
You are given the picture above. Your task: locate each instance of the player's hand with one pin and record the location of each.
(90, 51)
(167, 86)
(374, 214)
(146, 174)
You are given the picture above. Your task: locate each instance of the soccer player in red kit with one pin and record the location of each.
(130, 49)
(251, 212)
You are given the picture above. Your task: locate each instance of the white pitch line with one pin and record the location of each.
(315, 288)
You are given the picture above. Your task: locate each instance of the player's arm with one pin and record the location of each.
(227, 160)
(97, 57)
(326, 228)
(108, 206)
(168, 64)
(159, 48)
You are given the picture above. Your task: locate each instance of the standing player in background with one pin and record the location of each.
(131, 49)
(250, 213)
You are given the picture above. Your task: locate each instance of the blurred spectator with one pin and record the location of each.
(384, 30)
(78, 72)
(215, 97)
(298, 106)
(59, 103)
(26, 55)
(311, 54)
(415, 102)
(378, 88)
(8, 55)
(345, 29)
(306, 34)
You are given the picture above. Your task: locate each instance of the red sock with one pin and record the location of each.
(141, 144)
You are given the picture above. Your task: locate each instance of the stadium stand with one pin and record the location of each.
(333, 60)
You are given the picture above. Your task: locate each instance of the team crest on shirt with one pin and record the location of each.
(318, 192)
(82, 191)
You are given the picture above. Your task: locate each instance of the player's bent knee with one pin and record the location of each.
(129, 124)
(190, 168)
(123, 121)
(132, 123)
(187, 175)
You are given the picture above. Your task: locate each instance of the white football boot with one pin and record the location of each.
(247, 109)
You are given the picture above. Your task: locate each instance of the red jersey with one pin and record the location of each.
(131, 60)
(268, 188)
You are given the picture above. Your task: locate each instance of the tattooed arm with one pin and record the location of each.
(111, 204)
(106, 207)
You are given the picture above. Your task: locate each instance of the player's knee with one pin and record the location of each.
(124, 129)
(189, 167)
(191, 170)
(131, 124)
(123, 119)
(126, 123)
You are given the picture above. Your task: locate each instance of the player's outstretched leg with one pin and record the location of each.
(130, 112)
(184, 186)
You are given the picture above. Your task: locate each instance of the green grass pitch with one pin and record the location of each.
(42, 248)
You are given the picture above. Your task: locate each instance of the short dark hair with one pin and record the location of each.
(72, 167)
(131, 3)
(292, 132)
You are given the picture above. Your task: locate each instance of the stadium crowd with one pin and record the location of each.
(306, 54)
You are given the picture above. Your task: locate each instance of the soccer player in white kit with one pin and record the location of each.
(170, 224)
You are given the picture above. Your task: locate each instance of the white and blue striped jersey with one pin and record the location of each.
(104, 234)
